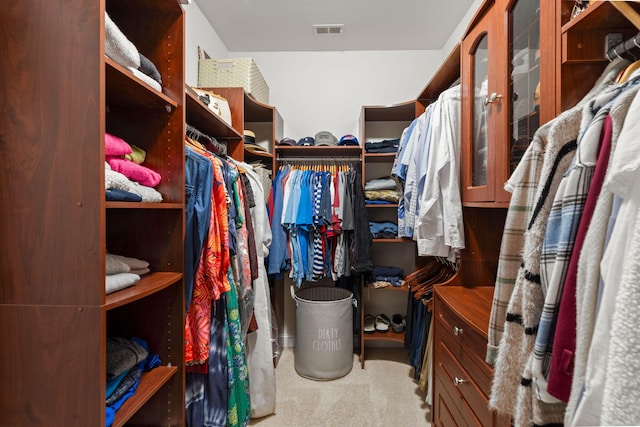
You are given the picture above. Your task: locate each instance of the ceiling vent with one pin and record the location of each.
(328, 29)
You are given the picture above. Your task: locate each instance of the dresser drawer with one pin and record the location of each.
(466, 345)
(458, 382)
(445, 408)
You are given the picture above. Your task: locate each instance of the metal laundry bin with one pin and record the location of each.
(324, 332)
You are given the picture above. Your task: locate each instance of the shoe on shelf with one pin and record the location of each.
(382, 323)
(369, 324)
(398, 322)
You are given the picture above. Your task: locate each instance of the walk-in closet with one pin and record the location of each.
(229, 214)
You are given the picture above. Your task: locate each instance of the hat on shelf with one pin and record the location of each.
(249, 137)
(348, 140)
(250, 143)
(325, 138)
(307, 140)
(287, 141)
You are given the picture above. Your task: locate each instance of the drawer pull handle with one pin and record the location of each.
(457, 331)
(458, 381)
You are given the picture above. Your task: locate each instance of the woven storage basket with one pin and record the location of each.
(234, 72)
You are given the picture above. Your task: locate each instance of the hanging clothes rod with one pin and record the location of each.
(323, 159)
(624, 49)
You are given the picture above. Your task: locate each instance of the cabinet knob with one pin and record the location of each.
(458, 381)
(457, 331)
(494, 97)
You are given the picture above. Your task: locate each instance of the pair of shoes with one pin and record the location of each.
(382, 323)
(369, 324)
(398, 322)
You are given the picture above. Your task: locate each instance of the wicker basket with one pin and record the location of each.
(234, 72)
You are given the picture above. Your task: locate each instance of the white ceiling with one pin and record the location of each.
(286, 25)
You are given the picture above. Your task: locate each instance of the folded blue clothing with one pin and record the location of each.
(381, 145)
(117, 195)
(382, 150)
(376, 227)
(385, 271)
(377, 202)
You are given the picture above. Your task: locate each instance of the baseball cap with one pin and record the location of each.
(325, 138)
(307, 140)
(287, 141)
(348, 140)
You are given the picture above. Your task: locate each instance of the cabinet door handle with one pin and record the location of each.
(457, 331)
(458, 381)
(494, 97)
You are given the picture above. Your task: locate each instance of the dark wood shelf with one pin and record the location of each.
(142, 205)
(403, 288)
(601, 15)
(150, 383)
(396, 240)
(205, 120)
(379, 157)
(385, 336)
(390, 113)
(149, 284)
(125, 89)
(382, 205)
(322, 150)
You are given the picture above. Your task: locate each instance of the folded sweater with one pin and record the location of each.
(118, 47)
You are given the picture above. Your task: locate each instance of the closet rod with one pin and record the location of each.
(624, 48)
(320, 159)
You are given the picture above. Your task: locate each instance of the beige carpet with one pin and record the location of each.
(384, 393)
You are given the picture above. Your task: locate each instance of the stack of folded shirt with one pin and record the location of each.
(126, 360)
(382, 190)
(123, 272)
(383, 229)
(119, 48)
(126, 179)
(386, 146)
(383, 276)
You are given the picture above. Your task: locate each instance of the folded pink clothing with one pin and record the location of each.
(115, 146)
(134, 171)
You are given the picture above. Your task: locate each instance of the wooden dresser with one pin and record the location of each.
(462, 378)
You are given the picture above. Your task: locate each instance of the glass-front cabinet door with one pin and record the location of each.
(524, 76)
(501, 75)
(481, 103)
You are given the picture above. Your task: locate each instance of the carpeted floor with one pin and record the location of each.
(384, 393)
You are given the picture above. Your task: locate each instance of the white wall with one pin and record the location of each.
(198, 32)
(315, 91)
(458, 33)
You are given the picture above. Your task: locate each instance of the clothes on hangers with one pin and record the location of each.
(428, 165)
(540, 359)
(226, 237)
(312, 215)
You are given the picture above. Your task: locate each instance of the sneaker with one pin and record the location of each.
(369, 324)
(398, 323)
(382, 323)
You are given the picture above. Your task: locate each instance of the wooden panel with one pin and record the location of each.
(51, 193)
(483, 235)
(56, 357)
